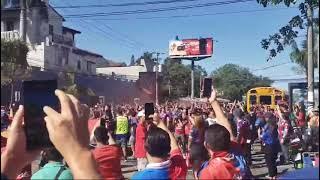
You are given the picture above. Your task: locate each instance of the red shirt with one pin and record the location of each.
(141, 131)
(220, 167)
(108, 158)
(178, 167)
(91, 124)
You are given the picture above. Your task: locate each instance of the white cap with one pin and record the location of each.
(141, 113)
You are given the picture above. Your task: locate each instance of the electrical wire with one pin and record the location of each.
(156, 9)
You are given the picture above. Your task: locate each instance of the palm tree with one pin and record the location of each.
(300, 56)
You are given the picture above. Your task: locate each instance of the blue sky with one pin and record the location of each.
(238, 34)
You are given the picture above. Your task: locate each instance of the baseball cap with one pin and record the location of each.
(141, 113)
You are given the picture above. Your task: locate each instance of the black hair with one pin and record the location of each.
(157, 143)
(101, 135)
(198, 153)
(52, 154)
(217, 137)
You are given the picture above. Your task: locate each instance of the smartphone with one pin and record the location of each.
(36, 95)
(207, 87)
(148, 109)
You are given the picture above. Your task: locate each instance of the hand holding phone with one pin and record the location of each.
(36, 95)
(148, 110)
(207, 87)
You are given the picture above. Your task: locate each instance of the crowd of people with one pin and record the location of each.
(213, 139)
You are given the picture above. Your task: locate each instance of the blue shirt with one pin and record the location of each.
(269, 137)
(152, 174)
(50, 170)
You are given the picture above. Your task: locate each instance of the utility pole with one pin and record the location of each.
(23, 19)
(192, 79)
(310, 56)
(157, 69)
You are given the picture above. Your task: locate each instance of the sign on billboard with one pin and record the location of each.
(191, 48)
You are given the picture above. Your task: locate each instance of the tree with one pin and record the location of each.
(14, 65)
(300, 56)
(177, 80)
(132, 61)
(286, 36)
(67, 81)
(233, 81)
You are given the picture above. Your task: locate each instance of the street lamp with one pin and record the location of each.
(157, 71)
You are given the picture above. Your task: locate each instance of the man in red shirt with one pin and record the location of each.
(140, 152)
(218, 141)
(107, 154)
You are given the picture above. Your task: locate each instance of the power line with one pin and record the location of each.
(109, 36)
(268, 67)
(123, 4)
(191, 15)
(117, 13)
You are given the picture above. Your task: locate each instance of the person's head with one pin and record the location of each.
(217, 138)
(157, 143)
(101, 135)
(212, 114)
(52, 154)
(120, 111)
(198, 155)
(197, 121)
(141, 116)
(237, 113)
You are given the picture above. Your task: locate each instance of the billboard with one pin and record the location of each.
(191, 48)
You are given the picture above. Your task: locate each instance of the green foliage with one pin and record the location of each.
(300, 56)
(286, 36)
(14, 63)
(177, 77)
(67, 82)
(234, 81)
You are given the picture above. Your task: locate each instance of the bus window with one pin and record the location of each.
(266, 100)
(278, 98)
(253, 99)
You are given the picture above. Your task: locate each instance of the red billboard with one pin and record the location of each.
(191, 48)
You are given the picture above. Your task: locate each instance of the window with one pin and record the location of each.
(65, 55)
(265, 100)
(253, 99)
(79, 65)
(10, 25)
(89, 66)
(50, 29)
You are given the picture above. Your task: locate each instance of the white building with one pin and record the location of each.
(52, 45)
(129, 72)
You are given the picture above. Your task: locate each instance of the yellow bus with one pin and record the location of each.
(264, 96)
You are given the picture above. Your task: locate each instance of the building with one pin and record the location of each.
(52, 46)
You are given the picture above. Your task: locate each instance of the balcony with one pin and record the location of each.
(10, 35)
(59, 39)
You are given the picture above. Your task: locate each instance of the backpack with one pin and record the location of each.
(241, 163)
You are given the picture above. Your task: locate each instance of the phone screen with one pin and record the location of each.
(36, 95)
(207, 87)
(148, 109)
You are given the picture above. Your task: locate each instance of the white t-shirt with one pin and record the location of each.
(211, 121)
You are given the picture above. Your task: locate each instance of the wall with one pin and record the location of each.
(55, 20)
(36, 55)
(121, 91)
(131, 72)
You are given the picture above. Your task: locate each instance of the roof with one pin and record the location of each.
(85, 52)
(73, 31)
(56, 12)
